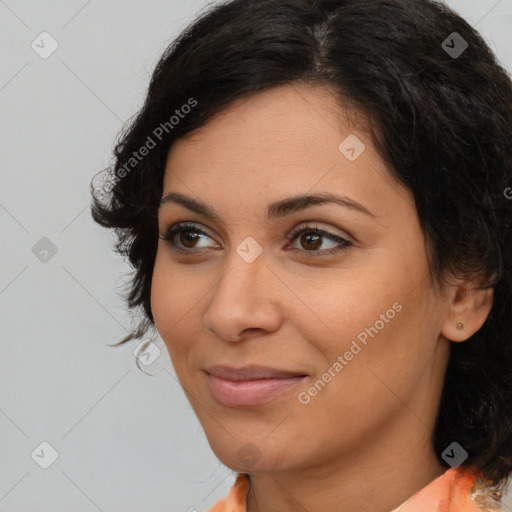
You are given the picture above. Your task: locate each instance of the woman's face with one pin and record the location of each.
(348, 314)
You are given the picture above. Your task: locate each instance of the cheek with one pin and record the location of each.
(373, 324)
(177, 299)
(385, 350)
(364, 366)
(169, 301)
(337, 307)
(159, 297)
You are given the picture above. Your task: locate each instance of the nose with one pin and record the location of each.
(245, 300)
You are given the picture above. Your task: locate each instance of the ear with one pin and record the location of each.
(469, 306)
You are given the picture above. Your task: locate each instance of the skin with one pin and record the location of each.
(364, 442)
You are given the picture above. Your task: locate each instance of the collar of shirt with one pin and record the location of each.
(453, 491)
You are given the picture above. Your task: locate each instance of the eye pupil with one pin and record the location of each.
(309, 237)
(188, 237)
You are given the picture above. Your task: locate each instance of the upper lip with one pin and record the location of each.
(251, 372)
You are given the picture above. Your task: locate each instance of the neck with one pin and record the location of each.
(368, 480)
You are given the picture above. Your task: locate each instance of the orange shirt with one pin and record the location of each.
(450, 492)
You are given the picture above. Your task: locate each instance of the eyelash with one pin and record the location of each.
(184, 227)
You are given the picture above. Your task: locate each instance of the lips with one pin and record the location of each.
(249, 385)
(251, 373)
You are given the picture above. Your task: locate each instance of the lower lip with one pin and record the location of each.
(249, 392)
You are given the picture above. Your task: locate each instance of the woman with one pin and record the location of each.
(314, 200)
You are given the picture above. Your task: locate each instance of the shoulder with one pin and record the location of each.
(459, 489)
(235, 501)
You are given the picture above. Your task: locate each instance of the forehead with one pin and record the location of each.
(281, 140)
(273, 116)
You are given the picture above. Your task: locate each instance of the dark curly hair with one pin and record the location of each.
(440, 111)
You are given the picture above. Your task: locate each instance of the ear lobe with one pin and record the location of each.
(470, 307)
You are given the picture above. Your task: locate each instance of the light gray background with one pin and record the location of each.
(126, 442)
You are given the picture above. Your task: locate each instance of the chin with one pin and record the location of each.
(246, 456)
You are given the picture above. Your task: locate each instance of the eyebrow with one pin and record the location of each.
(277, 209)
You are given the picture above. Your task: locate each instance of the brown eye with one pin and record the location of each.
(185, 237)
(188, 238)
(311, 239)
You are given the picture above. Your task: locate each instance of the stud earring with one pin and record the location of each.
(460, 326)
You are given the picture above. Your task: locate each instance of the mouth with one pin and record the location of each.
(250, 385)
